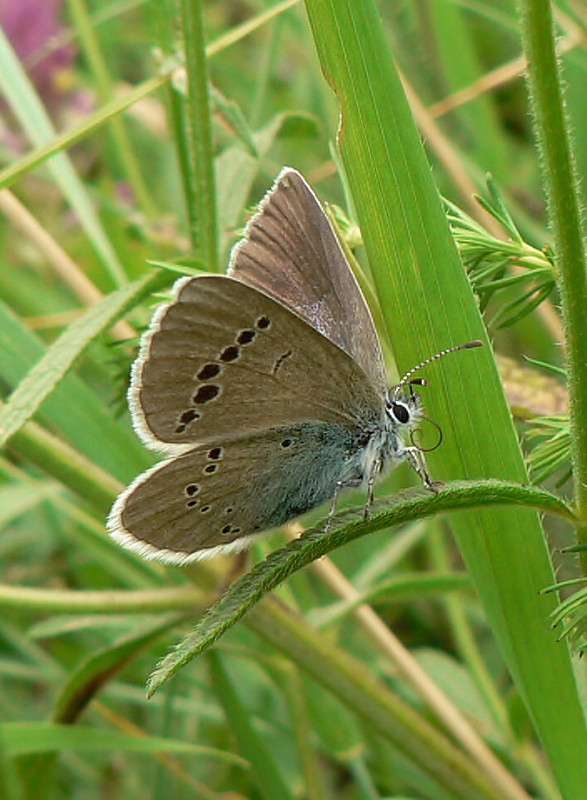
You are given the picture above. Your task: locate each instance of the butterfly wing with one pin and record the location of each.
(291, 252)
(267, 388)
(224, 360)
(216, 497)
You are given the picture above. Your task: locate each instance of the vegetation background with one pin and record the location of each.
(417, 661)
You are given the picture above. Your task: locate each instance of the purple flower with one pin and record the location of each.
(32, 26)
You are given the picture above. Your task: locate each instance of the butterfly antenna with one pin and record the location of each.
(406, 379)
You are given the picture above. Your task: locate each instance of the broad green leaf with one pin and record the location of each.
(423, 289)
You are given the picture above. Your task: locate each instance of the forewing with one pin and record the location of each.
(215, 498)
(291, 252)
(224, 360)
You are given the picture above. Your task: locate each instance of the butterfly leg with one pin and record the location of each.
(374, 471)
(340, 485)
(417, 461)
(354, 482)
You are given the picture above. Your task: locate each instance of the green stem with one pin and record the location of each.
(70, 467)
(60, 601)
(196, 149)
(288, 676)
(75, 134)
(384, 711)
(561, 186)
(123, 149)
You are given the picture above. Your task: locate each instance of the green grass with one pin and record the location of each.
(450, 684)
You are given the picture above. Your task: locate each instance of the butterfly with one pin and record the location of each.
(265, 388)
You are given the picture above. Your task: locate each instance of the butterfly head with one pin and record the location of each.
(404, 407)
(403, 404)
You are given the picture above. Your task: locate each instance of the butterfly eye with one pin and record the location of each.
(401, 412)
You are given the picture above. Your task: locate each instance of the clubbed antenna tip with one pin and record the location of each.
(465, 346)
